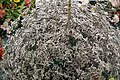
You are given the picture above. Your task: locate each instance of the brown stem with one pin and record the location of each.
(0, 41)
(69, 15)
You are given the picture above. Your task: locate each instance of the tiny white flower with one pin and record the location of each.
(5, 24)
(48, 0)
(115, 3)
(116, 19)
(83, 2)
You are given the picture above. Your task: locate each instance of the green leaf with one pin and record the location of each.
(112, 78)
(1, 1)
(22, 5)
(13, 18)
(72, 41)
(96, 64)
(105, 74)
(29, 12)
(20, 11)
(15, 15)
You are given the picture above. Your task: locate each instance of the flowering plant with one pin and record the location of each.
(11, 10)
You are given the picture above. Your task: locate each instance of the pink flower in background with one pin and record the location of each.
(27, 3)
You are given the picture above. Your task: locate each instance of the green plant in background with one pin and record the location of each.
(107, 75)
(112, 74)
(112, 78)
(10, 11)
(112, 9)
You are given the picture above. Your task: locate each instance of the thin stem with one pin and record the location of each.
(69, 15)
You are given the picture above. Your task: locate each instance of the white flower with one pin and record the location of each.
(48, 0)
(115, 19)
(115, 3)
(8, 30)
(83, 2)
(5, 24)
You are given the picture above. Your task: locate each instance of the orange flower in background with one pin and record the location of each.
(2, 13)
(1, 6)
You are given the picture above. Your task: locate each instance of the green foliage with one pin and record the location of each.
(72, 41)
(105, 74)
